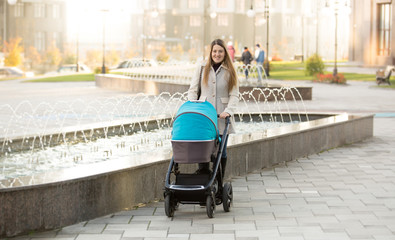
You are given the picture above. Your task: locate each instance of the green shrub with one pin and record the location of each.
(162, 56)
(314, 65)
(270, 65)
(98, 70)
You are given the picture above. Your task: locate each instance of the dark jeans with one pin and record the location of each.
(224, 154)
(246, 72)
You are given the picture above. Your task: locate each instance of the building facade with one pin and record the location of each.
(40, 24)
(372, 37)
(296, 27)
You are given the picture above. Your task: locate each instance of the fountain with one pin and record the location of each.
(116, 152)
(176, 78)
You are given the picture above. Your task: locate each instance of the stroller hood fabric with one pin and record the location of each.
(195, 121)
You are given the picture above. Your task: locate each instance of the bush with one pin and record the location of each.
(329, 78)
(276, 58)
(97, 70)
(162, 56)
(314, 65)
(270, 65)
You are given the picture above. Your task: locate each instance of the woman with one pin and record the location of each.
(219, 86)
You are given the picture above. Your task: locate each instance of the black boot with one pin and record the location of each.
(204, 168)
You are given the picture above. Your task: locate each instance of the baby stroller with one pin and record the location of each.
(195, 139)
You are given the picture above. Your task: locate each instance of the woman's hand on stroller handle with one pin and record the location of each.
(224, 115)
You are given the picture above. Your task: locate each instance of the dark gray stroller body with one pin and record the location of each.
(195, 139)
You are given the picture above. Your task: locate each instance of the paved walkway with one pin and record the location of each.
(343, 193)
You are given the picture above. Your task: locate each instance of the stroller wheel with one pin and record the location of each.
(227, 196)
(210, 205)
(169, 205)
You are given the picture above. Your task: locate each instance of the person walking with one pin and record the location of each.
(259, 58)
(216, 81)
(231, 51)
(246, 58)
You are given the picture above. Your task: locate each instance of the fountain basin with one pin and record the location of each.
(154, 87)
(65, 197)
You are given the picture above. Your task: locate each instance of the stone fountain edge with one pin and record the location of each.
(54, 205)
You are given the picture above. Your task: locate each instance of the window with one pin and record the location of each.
(240, 6)
(194, 21)
(289, 4)
(56, 39)
(39, 10)
(259, 4)
(19, 10)
(222, 3)
(56, 11)
(39, 41)
(288, 22)
(193, 4)
(384, 29)
(223, 20)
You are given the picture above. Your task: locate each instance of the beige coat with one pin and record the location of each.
(216, 92)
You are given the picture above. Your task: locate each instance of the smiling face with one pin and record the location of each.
(217, 54)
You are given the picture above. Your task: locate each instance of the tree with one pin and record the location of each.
(192, 54)
(53, 56)
(178, 52)
(130, 53)
(13, 52)
(237, 50)
(314, 65)
(94, 58)
(69, 58)
(112, 57)
(162, 56)
(33, 56)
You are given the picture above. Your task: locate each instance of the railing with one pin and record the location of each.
(248, 75)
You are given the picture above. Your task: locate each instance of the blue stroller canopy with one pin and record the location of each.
(195, 121)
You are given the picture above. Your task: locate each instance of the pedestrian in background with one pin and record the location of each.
(231, 51)
(259, 58)
(246, 58)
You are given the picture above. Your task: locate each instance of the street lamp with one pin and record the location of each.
(267, 37)
(251, 14)
(77, 49)
(336, 7)
(213, 14)
(316, 22)
(103, 68)
(302, 21)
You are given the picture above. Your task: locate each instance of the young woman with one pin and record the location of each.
(219, 86)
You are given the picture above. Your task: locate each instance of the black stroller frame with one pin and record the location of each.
(199, 188)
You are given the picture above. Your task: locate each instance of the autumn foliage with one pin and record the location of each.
(13, 52)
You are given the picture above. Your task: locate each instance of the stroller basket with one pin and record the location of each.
(193, 151)
(195, 135)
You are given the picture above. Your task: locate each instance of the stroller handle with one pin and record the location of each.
(227, 119)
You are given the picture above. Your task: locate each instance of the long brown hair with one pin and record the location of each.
(227, 62)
